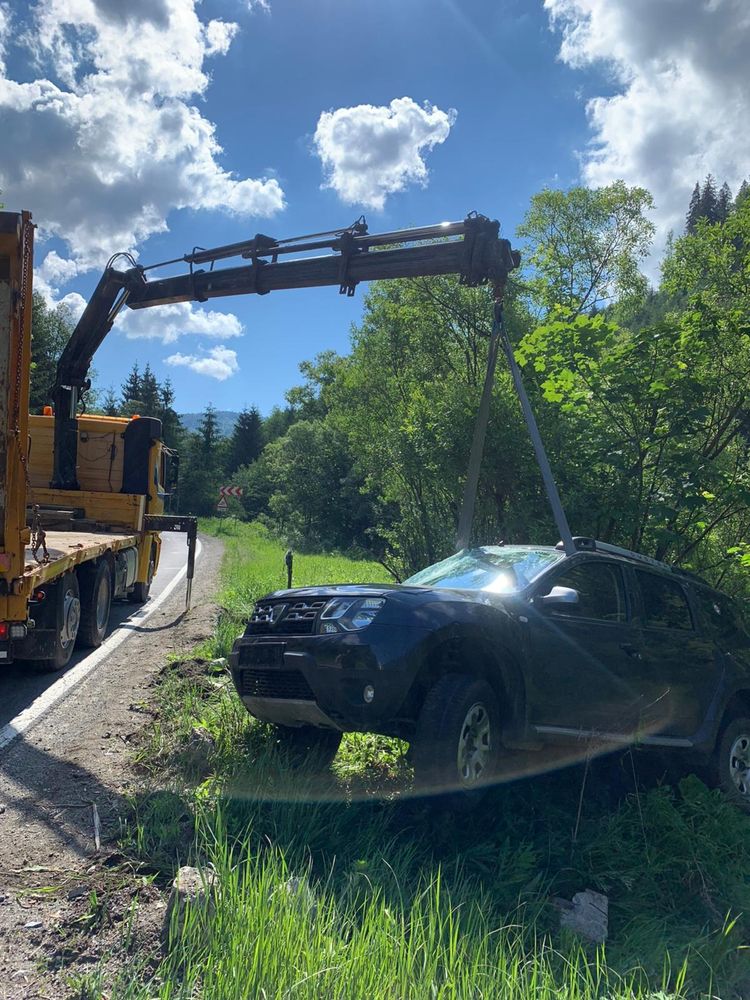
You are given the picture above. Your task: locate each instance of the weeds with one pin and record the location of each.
(339, 885)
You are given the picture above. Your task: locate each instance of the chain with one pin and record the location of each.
(38, 536)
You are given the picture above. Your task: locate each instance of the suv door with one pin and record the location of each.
(586, 663)
(679, 655)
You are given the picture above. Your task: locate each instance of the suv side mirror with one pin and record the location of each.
(557, 596)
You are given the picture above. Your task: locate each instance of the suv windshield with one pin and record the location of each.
(497, 569)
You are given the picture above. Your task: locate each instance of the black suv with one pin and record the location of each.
(508, 647)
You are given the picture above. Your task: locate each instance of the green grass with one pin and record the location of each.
(342, 885)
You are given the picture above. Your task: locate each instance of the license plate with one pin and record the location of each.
(264, 654)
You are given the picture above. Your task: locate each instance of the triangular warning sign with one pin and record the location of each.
(222, 504)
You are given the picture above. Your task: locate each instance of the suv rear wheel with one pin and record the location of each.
(456, 747)
(730, 766)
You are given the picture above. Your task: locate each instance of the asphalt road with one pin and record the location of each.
(21, 685)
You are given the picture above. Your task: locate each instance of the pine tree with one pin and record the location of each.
(694, 209)
(131, 392)
(708, 202)
(109, 406)
(246, 442)
(150, 393)
(208, 431)
(170, 420)
(742, 195)
(723, 203)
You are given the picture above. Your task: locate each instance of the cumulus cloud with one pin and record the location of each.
(108, 139)
(169, 323)
(682, 100)
(219, 362)
(369, 152)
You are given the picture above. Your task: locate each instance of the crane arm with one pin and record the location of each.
(473, 249)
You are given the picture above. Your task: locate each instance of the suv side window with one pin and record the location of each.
(665, 603)
(720, 615)
(601, 594)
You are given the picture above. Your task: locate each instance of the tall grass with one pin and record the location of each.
(340, 885)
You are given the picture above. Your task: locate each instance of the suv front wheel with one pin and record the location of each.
(731, 762)
(456, 747)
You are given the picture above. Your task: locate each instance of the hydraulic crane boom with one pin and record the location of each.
(473, 249)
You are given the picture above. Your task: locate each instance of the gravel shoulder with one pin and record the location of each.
(69, 771)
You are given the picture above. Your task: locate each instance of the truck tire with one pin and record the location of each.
(303, 744)
(140, 591)
(729, 768)
(95, 580)
(456, 747)
(67, 620)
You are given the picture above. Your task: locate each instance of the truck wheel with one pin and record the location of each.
(730, 764)
(456, 747)
(139, 593)
(96, 599)
(308, 743)
(67, 620)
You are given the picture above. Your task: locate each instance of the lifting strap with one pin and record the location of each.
(499, 337)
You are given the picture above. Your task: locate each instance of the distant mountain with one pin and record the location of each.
(226, 419)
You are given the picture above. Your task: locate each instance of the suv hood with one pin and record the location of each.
(344, 590)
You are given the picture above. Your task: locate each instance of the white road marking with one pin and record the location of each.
(70, 680)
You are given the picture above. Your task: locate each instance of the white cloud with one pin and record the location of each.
(4, 33)
(219, 362)
(108, 140)
(168, 323)
(683, 93)
(369, 152)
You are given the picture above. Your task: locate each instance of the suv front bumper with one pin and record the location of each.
(320, 680)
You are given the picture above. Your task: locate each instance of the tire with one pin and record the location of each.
(67, 620)
(140, 591)
(730, 763)
(456, 747)
(303, 744)
(96, 600)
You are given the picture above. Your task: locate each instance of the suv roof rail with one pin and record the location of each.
(585, 544)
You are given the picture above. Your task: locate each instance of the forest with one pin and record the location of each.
(640, 388)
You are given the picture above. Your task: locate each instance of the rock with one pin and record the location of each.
(77, 891)
(217, 666)
(32, 924)
(586, 916)
(192, 889)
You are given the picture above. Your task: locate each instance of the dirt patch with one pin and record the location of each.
(66, 788)
(202, 674)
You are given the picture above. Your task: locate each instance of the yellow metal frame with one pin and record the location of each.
(15, 535)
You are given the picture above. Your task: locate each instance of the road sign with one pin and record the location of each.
(222, 504)
(230, 491)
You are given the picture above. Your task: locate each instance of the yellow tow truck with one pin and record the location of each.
(66, 553)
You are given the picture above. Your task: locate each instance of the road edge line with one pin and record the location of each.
(69, 681)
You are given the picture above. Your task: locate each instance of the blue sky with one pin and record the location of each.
(116, 119)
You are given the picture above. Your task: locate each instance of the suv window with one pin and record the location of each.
(665, 603)
(601, 594)
(720, 614)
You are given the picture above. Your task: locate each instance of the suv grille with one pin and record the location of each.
(281, 618)
(275, 684)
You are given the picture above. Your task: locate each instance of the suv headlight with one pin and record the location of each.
(349, 615)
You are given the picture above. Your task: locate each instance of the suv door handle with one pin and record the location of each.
(631, 650)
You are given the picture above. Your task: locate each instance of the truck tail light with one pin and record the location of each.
(12, 630)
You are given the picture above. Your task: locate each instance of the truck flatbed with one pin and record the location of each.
(69, 548)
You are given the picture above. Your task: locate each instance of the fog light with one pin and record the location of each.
(369, 693)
